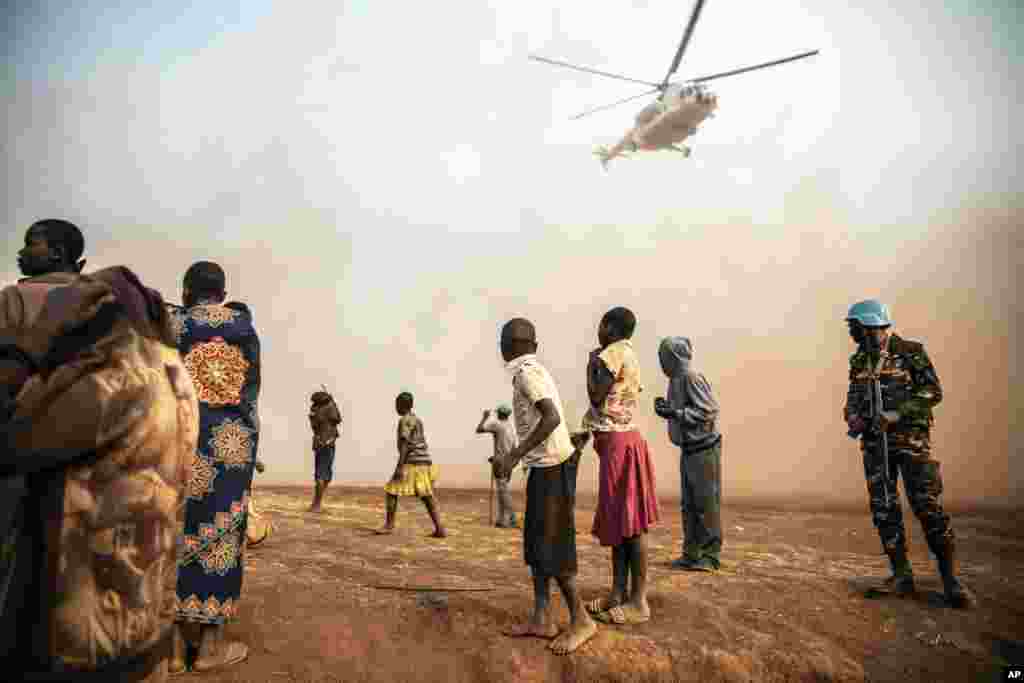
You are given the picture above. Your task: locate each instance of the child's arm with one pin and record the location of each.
(404, 431)
(599, 379)
(549, 420)
(480, 427)
(579, 442)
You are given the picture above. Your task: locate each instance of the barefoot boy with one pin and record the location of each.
(549, 529)
(415, 474)
(627, 505)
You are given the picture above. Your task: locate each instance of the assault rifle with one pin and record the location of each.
(876, 424)
(874, 405)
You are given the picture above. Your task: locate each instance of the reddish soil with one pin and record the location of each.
(788, 605)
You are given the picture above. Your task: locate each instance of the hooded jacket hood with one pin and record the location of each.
(690, 393)
(675, 354)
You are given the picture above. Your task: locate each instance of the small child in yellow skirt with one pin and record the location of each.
(415, 474)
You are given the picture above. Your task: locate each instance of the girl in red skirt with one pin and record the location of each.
(627, 505)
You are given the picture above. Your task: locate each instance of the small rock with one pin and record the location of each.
(431, 599)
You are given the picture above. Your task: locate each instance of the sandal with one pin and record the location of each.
(598, 605)
(613, 615)
(234, 653)
(617, 617)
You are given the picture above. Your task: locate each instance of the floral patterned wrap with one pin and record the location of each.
(220, 350)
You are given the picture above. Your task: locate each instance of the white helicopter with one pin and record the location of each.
(677, 112)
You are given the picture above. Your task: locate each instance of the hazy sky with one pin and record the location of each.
(385, 185)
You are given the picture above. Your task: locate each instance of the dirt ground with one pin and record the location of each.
(788, 605)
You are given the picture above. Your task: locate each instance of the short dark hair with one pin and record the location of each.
(205, 278)
(404, 399)
(64, 234)
(622, 319)
(519, 329)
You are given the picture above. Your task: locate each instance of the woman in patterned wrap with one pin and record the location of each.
(221, 351)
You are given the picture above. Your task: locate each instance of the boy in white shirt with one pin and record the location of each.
(549, 528)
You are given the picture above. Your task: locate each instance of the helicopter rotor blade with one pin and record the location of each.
(703, 79)
(614, 104)
(685, 41)
(592, 71)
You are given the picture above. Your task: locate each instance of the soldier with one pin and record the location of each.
(910, 389)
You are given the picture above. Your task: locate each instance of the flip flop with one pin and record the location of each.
(234, 653)
(616, 616)
(613, 615)
(598, 605)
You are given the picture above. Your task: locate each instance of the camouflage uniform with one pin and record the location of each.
(910, 386)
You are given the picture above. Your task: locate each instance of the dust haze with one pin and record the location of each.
(383, 223)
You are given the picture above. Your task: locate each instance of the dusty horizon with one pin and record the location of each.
(383, 218)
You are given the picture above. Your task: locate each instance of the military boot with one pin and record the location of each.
(902, 579)
(956, 593)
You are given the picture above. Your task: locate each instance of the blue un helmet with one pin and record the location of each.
(870, 313)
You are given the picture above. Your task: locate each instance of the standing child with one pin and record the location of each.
(549, 528)
(692, 414)
(627, 505)
(324, 418)
(415, 474)
(497, 424)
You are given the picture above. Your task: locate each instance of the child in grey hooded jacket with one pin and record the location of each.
(692, 414)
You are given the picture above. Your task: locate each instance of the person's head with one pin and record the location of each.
(319, 398)
(204, 281)
(616, 325)
(503, 412)
(518, 338)
(403, 403)
(869, 322)
(675, 354)
(52, 245)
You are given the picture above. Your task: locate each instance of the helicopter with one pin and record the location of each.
(678, 110)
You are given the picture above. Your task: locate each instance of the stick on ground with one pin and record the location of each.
(436, 589)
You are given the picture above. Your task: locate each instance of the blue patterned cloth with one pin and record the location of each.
(221, 351)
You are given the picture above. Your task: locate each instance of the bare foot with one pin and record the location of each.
(226, 655)
(439, 533)
(532, 629)
(384, 530)
(573, 637)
